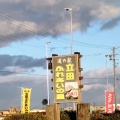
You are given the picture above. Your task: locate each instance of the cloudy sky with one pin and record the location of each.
(26, 26)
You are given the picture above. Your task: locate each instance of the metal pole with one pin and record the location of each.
(114, 64)
(74, 105)
(21, 99)
(48, 96)
(71, 39)
(71, 30)
(106, 73)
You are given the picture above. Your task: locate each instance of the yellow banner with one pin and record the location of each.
(26, 94)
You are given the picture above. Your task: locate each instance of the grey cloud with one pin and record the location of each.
(28, 62)
(95, 85)
(19, 61)
(49, 18)
(8, 84)
(111, 23)
(4, 73)
(98, 77)
(15, 97)
(39, 93)
(6, 60)
(94, 96)
(115, 3)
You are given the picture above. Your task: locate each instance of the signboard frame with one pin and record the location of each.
(65, 77)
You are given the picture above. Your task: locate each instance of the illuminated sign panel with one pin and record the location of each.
(65, 75)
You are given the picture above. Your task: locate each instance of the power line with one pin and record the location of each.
(45, 33)
(27, 27)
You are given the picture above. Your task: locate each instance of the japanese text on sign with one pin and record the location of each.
(109, 101)
(64, 68)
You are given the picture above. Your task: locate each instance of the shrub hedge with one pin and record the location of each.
(65, 115)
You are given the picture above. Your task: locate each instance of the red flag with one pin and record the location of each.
(109, 98)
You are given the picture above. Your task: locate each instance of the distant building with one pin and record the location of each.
(37, 110)
(98, 108)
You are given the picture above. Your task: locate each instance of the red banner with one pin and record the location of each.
(109, 98)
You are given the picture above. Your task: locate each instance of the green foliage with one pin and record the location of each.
(71, 114)
(64, 116)
(115, 116)
(31, 116)
(35, 116)
(98, 116)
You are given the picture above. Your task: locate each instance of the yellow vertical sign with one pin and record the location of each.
(26, 94)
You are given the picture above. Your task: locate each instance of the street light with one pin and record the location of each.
(71, 40)
(106, 72)
(70, 9)
(48, 96)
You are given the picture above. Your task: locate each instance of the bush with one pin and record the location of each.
(71, 114)
(64, 116)
(98, 116)
(115, 116)
(31, 116)
(35, 116)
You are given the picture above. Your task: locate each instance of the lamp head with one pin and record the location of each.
(110, 56)
(106, 55)
(67, 9)
(48, 42)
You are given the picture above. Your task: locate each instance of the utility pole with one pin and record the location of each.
(113, 57)
(114, 64)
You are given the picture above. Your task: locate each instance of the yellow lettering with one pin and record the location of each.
(59, 68)
(60, 90)
(59, 80)
(59, 74)
(69, 67)
(60, 96)
(59, 85)
(70, 76)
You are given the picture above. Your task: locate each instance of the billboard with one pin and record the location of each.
(65, 76)
(26, 93)
(109, 98)
(118, 106)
